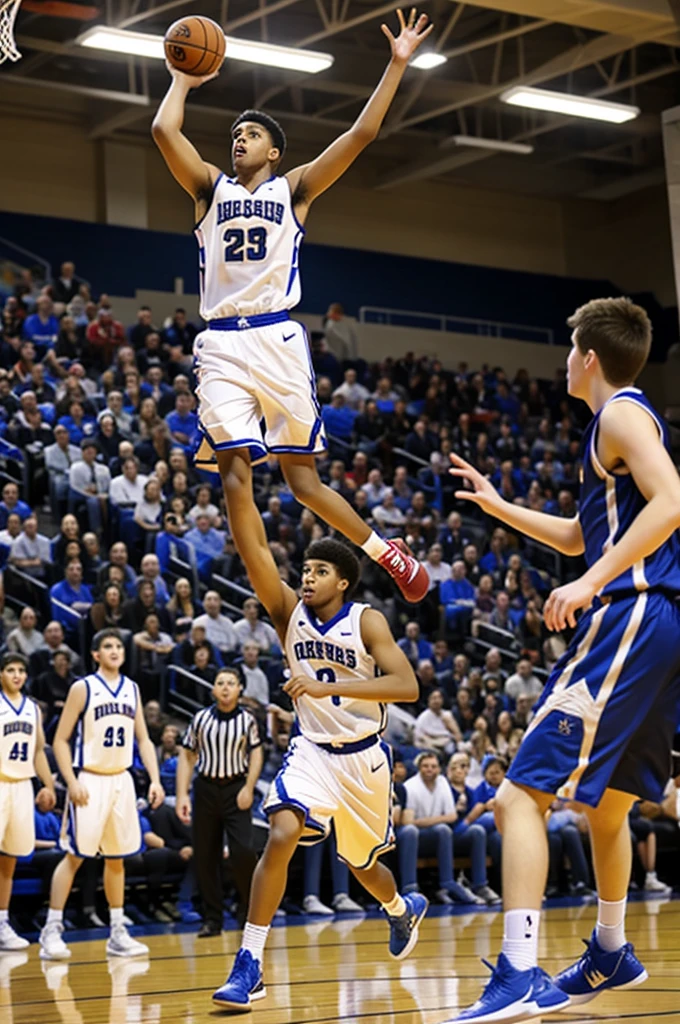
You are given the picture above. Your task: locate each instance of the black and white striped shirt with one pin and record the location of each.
(223, 741)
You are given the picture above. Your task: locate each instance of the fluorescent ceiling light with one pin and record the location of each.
(496, 144)
(573, 106)
(142, 44)
(428, 60)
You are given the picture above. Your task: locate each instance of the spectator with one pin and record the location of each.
(73, 593)
(180, 332)
(413, 645)
(274, 519)
(53, 641)
(251, 627)
(104, 335)
(151, 571)
(339, 418)
(25, 638)
(420, 442)
(114, 407)
(148, 511)
(136, 610)
(523, 683)
(208, 544)
(500, 616)
(436, 728)
(219, 629)
(389, 519)
(144, 326)
(339, 333)
(91, 481)
(183, 422)
(471, 838)
(118, 556)
(457, 595)
(169, 744)
(182, 607)
(155, 720)
(109, 610)
(154, 647)
(354, 394)
(42, 327)
(464, 711)
(442, 662)
(171, 545)
(438, 570)
(51, 686)
(127, 490)
(31, 551)
(11, 503)
(375, 490)
(67, 285)
(493, 666)
(256, 689)
(58, 460)
(205, 506)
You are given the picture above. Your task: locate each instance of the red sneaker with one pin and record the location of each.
(408, 573)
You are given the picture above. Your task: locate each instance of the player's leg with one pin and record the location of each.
(52, 946)
(9, 940)
(303, 479)
(243, 514)
(121, 837)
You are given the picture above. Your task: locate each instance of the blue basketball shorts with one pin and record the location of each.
(609, 711)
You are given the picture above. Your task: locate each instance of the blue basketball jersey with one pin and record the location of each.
(609, 503)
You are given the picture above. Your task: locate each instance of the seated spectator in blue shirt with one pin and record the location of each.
(11, 503)
(73, 593)
(338, 418)
(170, 543)
(151, 571)
(180, 332)
(493, 770)
(414, 646)
(42, 327)
(442, 662)
(77, 423)
(457, 595)
(154, 387)
(207, 542)
(183, 422)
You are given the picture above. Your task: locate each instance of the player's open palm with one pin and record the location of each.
(412, 33)
(482, 492)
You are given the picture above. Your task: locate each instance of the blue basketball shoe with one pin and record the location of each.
(404, 929)
(243, 985)
(512, 995)
(597, 971)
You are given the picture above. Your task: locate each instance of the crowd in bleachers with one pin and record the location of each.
(105, 522)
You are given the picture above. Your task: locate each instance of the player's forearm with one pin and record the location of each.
(62, 754)
(563, 534)
(657, 521)
(42, 770)
(370, 120)
(254, 767)
(185, 768)
(147, 752)
(390, 689)
(170, 115)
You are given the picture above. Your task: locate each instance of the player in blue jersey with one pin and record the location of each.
(252, 361)
(336, 771)
(603, 729)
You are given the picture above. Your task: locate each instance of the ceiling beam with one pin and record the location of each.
(256, 15)
(80, 90)
(150, 12)
(126, 116)
(343, 26)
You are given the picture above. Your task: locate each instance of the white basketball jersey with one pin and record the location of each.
(332, 652)
(18, 733)
(106, 729)
(249, 244)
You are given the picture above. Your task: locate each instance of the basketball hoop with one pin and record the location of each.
(8, 13)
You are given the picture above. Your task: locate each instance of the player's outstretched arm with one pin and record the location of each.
(563, 534)
(147, 752)
(184, 161)
(73, 708)
(628, 437)
(309, 181)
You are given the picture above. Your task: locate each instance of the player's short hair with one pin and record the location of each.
(620, 334)
(11, 658)
(234, 670)
(338, 555)
(104, 634)
(273, 127)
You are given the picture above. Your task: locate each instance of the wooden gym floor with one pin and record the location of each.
(334, 973)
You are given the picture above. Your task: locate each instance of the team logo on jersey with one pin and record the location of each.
(265, 209)
(564, 727)
(321, 650)
(25, 727)
(114, 707)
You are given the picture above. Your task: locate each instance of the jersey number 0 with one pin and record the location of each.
(239, 247)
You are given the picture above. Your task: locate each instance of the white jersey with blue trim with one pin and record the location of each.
(106, 728)
(249, 245)
(332, 652)
(18, 734)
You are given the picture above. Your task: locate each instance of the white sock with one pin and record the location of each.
(4, 916)
(54, 916)
(520, 938)
(396, 908)
(254, 938)
(610, 931)
(115, 916)
(375, 547)
(650, 876)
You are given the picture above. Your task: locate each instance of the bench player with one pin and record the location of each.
(253, 361)
(105, 712)
(604, 725)
(22, 756)
(336, 771)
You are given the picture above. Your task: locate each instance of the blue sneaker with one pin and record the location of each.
(404, 929)
(243, 985)
(513, 995)
(597, 971)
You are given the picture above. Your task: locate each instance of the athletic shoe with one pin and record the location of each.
(404, 929)
(597, 971)
(52, 946)
(121, 943)
(187, 913)
(342, 904)
(512, 995)
(654, 884)
(443, 897)
(9, 940)
(408, 573)
(581, 890)
(462, 894)
(243, 985)
(313, 905)
(486, 893)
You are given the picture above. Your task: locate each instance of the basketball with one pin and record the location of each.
(195, 45)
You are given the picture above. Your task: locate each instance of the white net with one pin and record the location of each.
(8, 12)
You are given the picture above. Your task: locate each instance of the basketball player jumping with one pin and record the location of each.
(603, 729)
(22, 756)
(253, 361)
(101, 814)
(336, 771)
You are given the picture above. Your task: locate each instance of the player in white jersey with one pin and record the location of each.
(345, 666)
(253, 361)
(22, 756)
(104, 710)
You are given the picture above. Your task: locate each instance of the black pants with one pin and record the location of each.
(215, 812)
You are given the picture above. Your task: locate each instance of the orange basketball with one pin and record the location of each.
(195, 45)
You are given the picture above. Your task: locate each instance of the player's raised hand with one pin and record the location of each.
(156, 795)
(483, 492)
(559, 611)
(183, 810)
(190, 81)
(78, 794)
(301, 685)
(411, 35)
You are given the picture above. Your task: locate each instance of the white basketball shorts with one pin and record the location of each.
(251, 374)
(353, 790)
(17, 824)
(108, 823)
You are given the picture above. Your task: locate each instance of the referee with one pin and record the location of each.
(223, 744)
